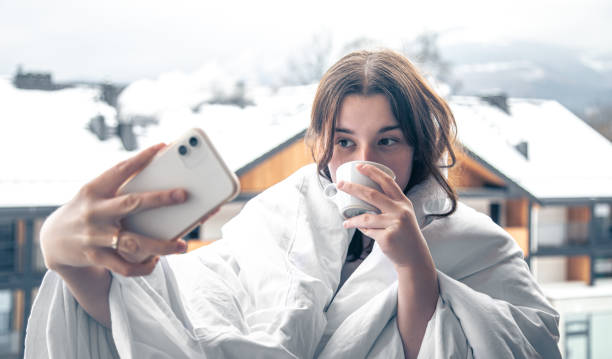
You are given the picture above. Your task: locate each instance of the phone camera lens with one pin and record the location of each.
(193, 141)
(182, 150)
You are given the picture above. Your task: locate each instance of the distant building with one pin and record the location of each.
(538, 171)
(535, 168)
(35, 81)
(110, 93)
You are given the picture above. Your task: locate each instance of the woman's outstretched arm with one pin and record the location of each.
(76, 240)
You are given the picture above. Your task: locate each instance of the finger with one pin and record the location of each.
(109, 259)
(136, 247)
(373, 233)
(370, 221)
(367, 194)
(386, 182)
(131, 203)
(108, 182)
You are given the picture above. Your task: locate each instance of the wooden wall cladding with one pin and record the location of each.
(276, 168)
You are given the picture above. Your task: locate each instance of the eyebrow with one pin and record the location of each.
(384, 129)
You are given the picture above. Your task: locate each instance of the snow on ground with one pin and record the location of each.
(45, 148)
(47, 153)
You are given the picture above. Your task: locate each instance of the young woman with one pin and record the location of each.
(376, 107)
(425, 277)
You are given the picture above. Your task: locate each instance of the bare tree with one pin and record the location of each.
(600, 118)
(425, 52)
(313, 60)
(311, 63)
(360, 43)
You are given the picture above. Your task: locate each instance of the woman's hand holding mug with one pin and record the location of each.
(394, 226)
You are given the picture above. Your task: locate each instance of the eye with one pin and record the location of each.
(387, 141)
(343, 142)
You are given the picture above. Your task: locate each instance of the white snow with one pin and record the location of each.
(528, 71)
(44, 144)
(598, 65)
(566, 157)
(175, 90)
(47, 153)
(493, 67)
(241, 135)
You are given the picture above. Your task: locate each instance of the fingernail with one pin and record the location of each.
(181, 246)
(178, 195)
(340, 184)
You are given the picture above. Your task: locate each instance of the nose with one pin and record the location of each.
(367, 153)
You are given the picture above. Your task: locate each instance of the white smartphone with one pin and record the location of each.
(191, 162)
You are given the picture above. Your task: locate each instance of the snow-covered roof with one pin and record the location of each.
(47, 152)
(566, 159)
(241, 135)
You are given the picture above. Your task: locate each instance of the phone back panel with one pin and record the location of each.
(198, 169)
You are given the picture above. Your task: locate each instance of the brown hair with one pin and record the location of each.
(424, 117)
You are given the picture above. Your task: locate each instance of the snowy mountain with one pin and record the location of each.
(533, 70)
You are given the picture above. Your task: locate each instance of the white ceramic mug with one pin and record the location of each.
(348, 205)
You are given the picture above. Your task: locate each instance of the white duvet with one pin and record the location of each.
(268, 290)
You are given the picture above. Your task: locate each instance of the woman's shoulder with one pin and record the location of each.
(468, 241)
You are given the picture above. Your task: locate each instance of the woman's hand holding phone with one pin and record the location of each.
(81, 232)
(127, 217)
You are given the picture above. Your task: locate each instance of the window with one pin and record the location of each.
(7, 247)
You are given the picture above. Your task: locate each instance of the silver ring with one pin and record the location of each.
(115, 241)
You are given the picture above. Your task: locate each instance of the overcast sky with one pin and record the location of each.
(127, 40)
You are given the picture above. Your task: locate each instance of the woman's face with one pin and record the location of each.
(367, 130)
